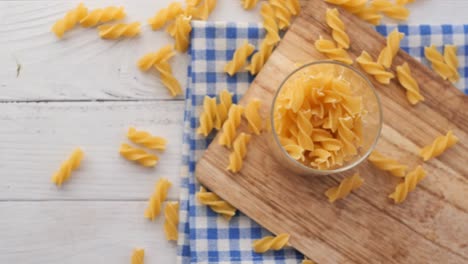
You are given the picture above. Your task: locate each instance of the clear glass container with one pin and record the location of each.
(372, 121)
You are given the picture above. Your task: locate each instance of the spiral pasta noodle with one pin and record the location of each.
(171, 214)
(373, 68)
(216, 203)
(438, 146)
(138, 155)
(403, 2)
(294, 6)
(411, 180)
(204, 10)
(222, 109)
(346, 186)
(138, 256)
(438, 62)
(153, 58)
(450, 58)
(282, 13)
(70, 20)
(168, 78)
(207, 118)
(146, 139)
(249, 4)
(238, 153)
(270, 243)
(193, 2)
(102, 15)
(304, 132)
(352, 6)
(369, 14)
(391, 9)
(119, 30)
(405, 78)
(259, 58)
(269, 23)
(253, 117)
(329, 49)
(230, 126)
(338, 28)
(165, 15)
(72, 163)
(387, 164)
(157, 198)
(182, 33)
(239, 58)
(307, 261)
(393, 46)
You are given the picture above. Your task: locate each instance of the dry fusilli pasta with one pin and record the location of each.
(138, 155)
(269, 23)
(353, 6)
(438, 146)
(438, 62)
(171, 214)
(338, 28)
(182, 33)
(119, 30)
(239, 58)
(369, 14)
(70, 19)
(215, 203)
(409, 83)
(72, 163)
(403, 2)
(259, 58)
(230, 126)
(294, 6)
(146, 139)
(165, 15)
(450, 58)
(329, 49)
(387, 164)
(253, 117)
(157, 198)
(168, 78)
(391, 9)
(249, 4)
(204, 10)
(374, 68)
(282, 13)
(346, 186)
(102, 15)
(222, 109)
(411, 180)
(270, 243)
(138, 256)
(393, 46)
(150, 59)
(238, 153)
(307, 261)
(208, 117)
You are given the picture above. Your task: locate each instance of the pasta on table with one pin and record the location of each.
(239, 151)
(138, 256)
(239, 58)
(72, 163)
(346, 186)
(438, 146)
(230, 126)
(413, 93)
(138, 155)
(393, 46)
(208, 117)
(171, 214)
(215, 203)
(253, 117)
(146, 139)
(374, 68)
(411, 180)
(271, 243)
(119, 30)
(388, 164)
(157, 198)
(70, 20)
(103, 15)
(222, 109)
(332, 51)
(165, 15)
(338, 28)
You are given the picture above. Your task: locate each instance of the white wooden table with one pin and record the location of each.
(83, 91)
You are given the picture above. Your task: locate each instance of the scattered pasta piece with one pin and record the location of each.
(153, 58)
(239, 58)
(391, 9)
(165, 15)
(282, 13)
(238, 153)
(204, 10)
(387, 164)
(307, 261)
(215, 203)
(329, 49)
(338, 28)
(171, 214)
(182, 33)
(253, 117)
(438, 146)
(269, 23)
(249, 4)
(157, 198)
(411, 180)
(146, 139)
(119, 30)
(409, 83)
(222, 109)
(270, 243)
(294, 6)
(438, 62)
(230, 126)
(193, 2)
(352, 6)
(450, 58)
(374, 68)
(138, 155)
(404, 2)
(168, 78)
(103, 15)
(393, 46)
(72, 163)
(369, 14)
(259, 58)
(138, 256)
(207, 118)
(346, 186)
(70, 20)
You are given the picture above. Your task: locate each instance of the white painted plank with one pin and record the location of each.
(80, 232)
(82, 66)
(37, 137)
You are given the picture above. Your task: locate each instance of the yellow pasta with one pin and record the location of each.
(393, 46)
(269, 23)
(239, 58)
(346, 186)
(204, 10)
(411, 180)
(157, 198)
(374, 68)
(238, 153)
(222, 109)
(119, 30)
(409, 83)
(182, 33)
(165, 15)
(171, 214)
(369, 14)
(307, 261)
(391, 9)
(253, 117)
(438, 146)
(72, 163)
(70, 20)
(138, 256)
(150, 59)
(259, 58)
(353, 6)
(438, 62)
(338, 28)
(103, 15)
(282, 13)
(146, 139)
(403, 2)
(138, 155)
(450, 58)
(207, 118)
(304, 134)
(294, 6)
(230, 126)
(168, 78)
(329, 49)
(249, 4)
(193, 2)
(215, 203)
(387, 164)
(270, 243)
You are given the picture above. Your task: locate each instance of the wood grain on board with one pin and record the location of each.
(366, 227)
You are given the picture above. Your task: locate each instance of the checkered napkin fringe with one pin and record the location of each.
(205, 237)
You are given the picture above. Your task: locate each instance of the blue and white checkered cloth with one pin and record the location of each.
(204, 237)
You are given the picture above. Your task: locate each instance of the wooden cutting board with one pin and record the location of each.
(431, 226)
